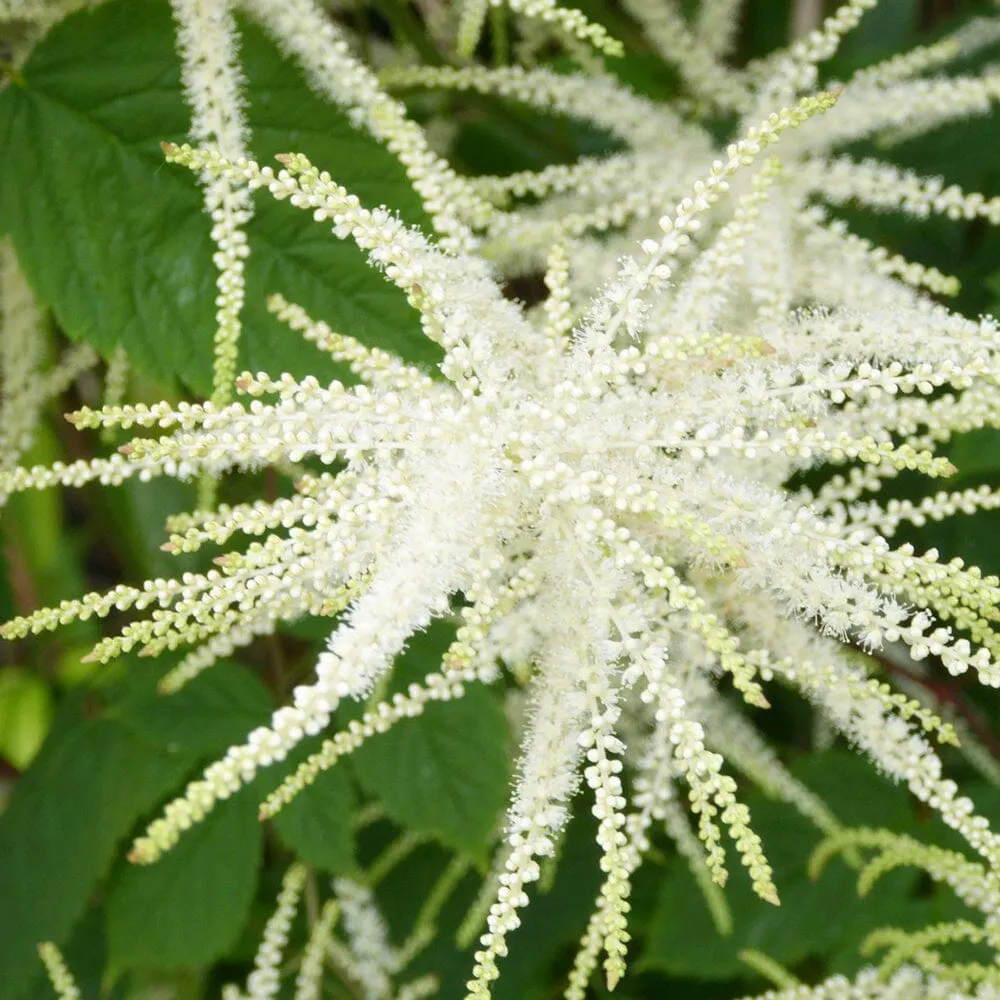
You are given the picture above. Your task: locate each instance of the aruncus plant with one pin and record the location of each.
(595, 490)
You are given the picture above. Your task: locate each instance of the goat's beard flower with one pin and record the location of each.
(601, 504)
(794, 251)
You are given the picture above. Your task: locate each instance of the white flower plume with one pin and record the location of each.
(605, 503)
(596, 490)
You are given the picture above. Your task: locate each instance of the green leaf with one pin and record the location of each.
(103, 767)
(316, 824)
(137, 513)
(65, 820)
(647, 74)
(85, 954)
(189, 907)
(504, 137)
(445, 772)
(25, 715)
(976, 455)
(207, 716)
(815, 918)
(974, 537)
(888, 29)
(125, 258)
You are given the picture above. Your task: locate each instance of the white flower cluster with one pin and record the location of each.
(599, 485)
(206, 39)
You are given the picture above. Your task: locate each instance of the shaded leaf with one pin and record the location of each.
(445, 772)
(25, 715)
(189, 907)
(316, 824)
(211, 713)
(85, 954)
(126, 257)
(60, 832)
(104, 767)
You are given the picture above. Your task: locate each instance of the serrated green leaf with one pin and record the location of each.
(316, 824)
(103, 768)
(189, 907)
(65, 820)
(815, 918)
(445, 772)
(125, 258)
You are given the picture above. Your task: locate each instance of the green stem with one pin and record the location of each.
(499, 37)
(443, 888)
(399, 850)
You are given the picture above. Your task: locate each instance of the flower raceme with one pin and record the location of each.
(593, 490)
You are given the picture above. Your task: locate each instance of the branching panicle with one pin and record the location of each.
(594, 491)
